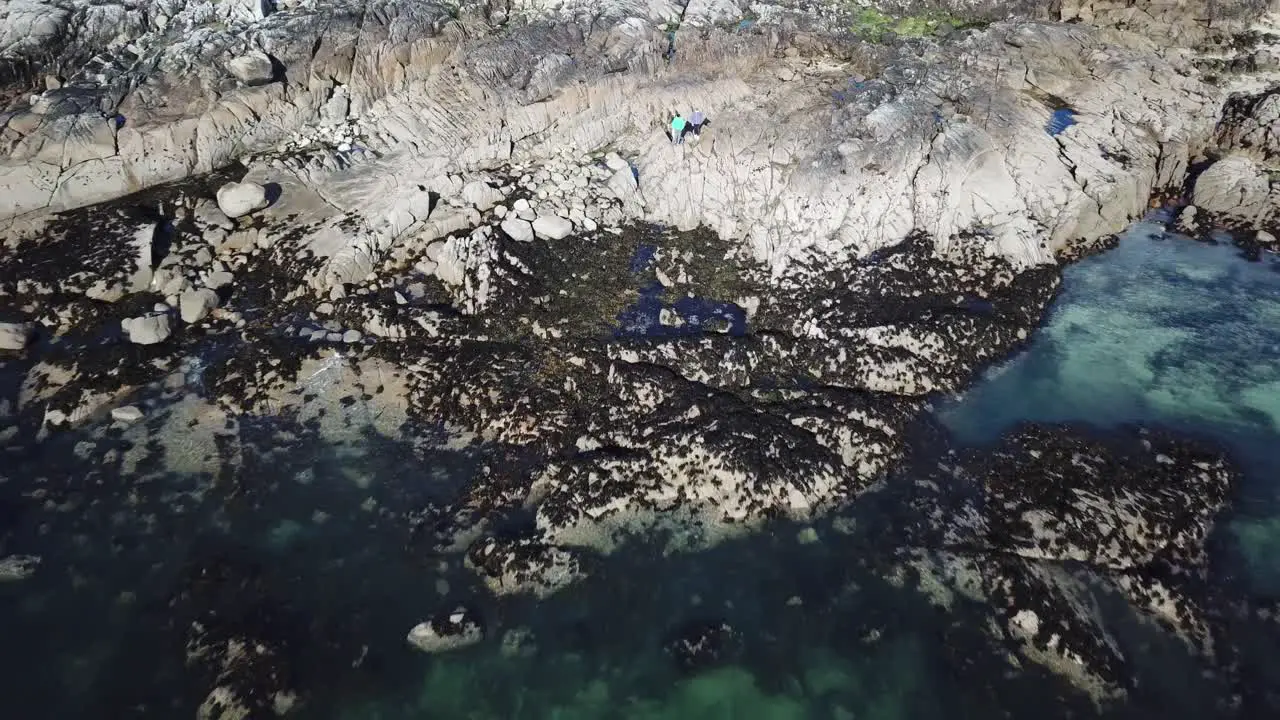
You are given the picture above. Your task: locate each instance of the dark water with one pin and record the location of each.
(1167, 331)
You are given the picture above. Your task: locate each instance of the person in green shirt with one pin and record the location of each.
(677, 129)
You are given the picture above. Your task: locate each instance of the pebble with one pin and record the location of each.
(352, 336)
(127, 414)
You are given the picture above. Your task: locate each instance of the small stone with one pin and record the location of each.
(401, 299)
(334, 337)
(344, 147)
(442, 633)
(126, 414)
(352, 337)
(324, 308)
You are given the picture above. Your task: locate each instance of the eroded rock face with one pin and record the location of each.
(1251, 125)
(702, 644)
(863, 166)
(1235, 187)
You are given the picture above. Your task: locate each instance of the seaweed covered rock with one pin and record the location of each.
(452, 630)
(1041, 528)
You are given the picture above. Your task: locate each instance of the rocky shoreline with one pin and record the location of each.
(466, 222)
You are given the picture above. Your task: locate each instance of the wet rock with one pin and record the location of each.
(1130, 515)
(14, 336)
(523, 565)
(195, 305)
(237, 199)
(147, 329)
(453, 630)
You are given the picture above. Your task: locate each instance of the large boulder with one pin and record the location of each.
(147, 329)
(1235, 187)
(517, 229)
(552, 227)
(482, 195)
(253, 68)
(237, 199)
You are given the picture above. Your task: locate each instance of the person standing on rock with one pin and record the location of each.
(696, 121)
(677, 129)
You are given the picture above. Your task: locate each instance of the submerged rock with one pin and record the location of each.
(18, 567)
(453, 630)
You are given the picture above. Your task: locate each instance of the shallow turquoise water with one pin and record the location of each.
(1159, 331)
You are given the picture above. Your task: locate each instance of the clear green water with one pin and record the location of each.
(1163, 332)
